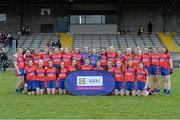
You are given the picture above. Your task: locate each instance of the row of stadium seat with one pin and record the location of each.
(177, 39)
(33, 41)
(118, 41)
(96, 41)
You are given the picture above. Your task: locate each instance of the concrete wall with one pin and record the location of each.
(12, 19)
(32, 16)
(93, 29)
(135, 16)
(173, 20)
(130, 17)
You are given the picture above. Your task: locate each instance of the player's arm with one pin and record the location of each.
(171, 64)
(147, 81)
(15, 64)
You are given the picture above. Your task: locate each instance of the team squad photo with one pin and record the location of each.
(44, 72)
(89, 59)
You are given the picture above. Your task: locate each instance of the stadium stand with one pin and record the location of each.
(177, 39)
(66, 39)
(33, 41)
(168, 42)
(116, 40)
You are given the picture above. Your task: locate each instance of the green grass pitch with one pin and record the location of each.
(21, 106)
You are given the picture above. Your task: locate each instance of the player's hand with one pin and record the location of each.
(171, 71)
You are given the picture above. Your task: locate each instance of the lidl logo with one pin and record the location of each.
(82, 81)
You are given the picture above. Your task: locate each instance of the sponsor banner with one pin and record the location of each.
(90, 83)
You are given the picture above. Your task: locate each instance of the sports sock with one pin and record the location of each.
(17, 90)
(165, 90)
(168, 92)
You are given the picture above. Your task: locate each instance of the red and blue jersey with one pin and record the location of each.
(36, 58)
(127, 57)
(141, 75)
(67, 59)
(146, 59)
(62, 74)
(40, 74)
(56, 58)
(98, 68)
(77, 57)
(118, 74)
(120, 59)
(26, 59)
(30, 73)
(51, 74)
(112, 56)
(164, 61)
(20, 62)
(129, 75)
(111, 70)
(103, 59)
(155, 59)
(136, 61)
(86, 67)
(85, 56)
(72, 68)
(93, 59)
(45, 57)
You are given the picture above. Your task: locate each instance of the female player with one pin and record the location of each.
(67, 57)
(103, 58)
(85, 54)
(27, 57)
(146, 62)
(136, 58)
(127, 56)
(120, 57)
(62, 74)
(93, 57)
(142, 80)
(98, 65)
(119, 77)
(111, 55)
(56, 58)
(73, 67)
(36, 57)
(46, 56)
(19, 65)
(31, 78)
(154, 70)
(77, 56)
(129, 76)
(166, 68)
(110, 67)
(51, 78)
(87, 65)
(40, 78)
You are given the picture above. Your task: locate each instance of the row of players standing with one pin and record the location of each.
(155, 63)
